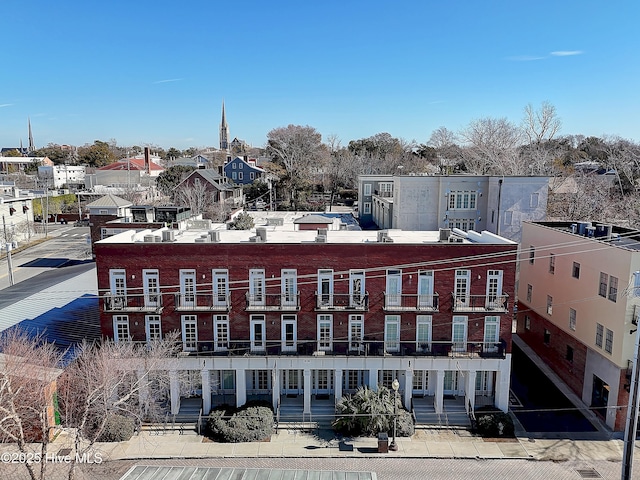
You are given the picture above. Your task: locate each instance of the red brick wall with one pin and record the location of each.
(169, 258)
(555, 352)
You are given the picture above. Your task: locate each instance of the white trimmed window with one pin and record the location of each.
(367, 189)
(325, 332)
(462, 200)
(153, 328)
(423, 333)
(221, 332)
(220, 288)
(491, 333)
(356, 332)
(256, 287)
(572, 319)
(189, 333)
(356, 288)
(289, 288)
(121, 328)
(459, 333)
(366, 208)
(188, 288)
(599, 334)
(118, 284)
(608, 341)
(289, 333)
(392, 333)
(151, 287)
(258, 333)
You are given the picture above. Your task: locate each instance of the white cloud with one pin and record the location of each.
(5, 105)
(566, 53)
(169, 80)
(525, 58)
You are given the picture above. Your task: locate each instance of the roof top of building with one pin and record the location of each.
(131, 164)
(614, 235)
(110, 200)
(313, 219)
(279, 228)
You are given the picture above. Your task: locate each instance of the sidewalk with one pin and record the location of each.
(295, 444)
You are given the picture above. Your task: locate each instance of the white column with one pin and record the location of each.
(439, 393)
(470, 390)
(174, 387)
(275, 387)
(241, 387)
(205, 373)
(408, 388)
(307, 391)
(502, 384)
(337, 383)
(373, 379)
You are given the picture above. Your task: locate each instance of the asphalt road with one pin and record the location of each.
(64, 243)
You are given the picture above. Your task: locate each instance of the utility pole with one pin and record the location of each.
(631, 428)
(8, 247)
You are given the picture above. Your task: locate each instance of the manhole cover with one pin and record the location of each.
(588, 473)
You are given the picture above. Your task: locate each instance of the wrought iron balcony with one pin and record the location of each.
(212, 302)
(342, 301)
(133, 303)
(411, 302)
(480, 303)
(275, 302)
(367, 348)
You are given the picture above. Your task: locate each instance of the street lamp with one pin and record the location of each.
(395, 385)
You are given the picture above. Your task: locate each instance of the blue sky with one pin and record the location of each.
(156, 72)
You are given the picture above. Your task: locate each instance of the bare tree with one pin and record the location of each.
(492, 147)
(196, 195)
(541, 125)
(28, 373)
(296, 148)
(113, 378)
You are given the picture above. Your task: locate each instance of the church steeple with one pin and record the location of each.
(224, 131)
(32, 147)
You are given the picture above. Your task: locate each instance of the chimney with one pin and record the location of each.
(228, 158)
(146, 160)
(245, 158)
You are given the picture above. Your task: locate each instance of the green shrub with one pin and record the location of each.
(368, 413)
(243, 221)
(494, 424)
(248, 425)
(118, 428)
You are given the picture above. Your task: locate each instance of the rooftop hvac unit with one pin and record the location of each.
(255, 239)
(202, 239)
(454, 239)
(262, 233)
(321, 239)
(168, 235)
(445, 233)
(214, 235)
(275, 221)
(149, 238)
(322, 231)
(382, 235)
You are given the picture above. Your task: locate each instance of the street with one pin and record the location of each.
(64, 243)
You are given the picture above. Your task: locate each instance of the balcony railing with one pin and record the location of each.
(133, 303)
(383, 193)
(410, 302)
(212, 302)
(280, 302)
(368, 348)
(342, 301)
(480, 303)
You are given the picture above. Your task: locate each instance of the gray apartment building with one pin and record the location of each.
(498, 204)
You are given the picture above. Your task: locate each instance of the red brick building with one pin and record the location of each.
(290, 313)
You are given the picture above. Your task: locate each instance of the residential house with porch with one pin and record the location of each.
(301, 317)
